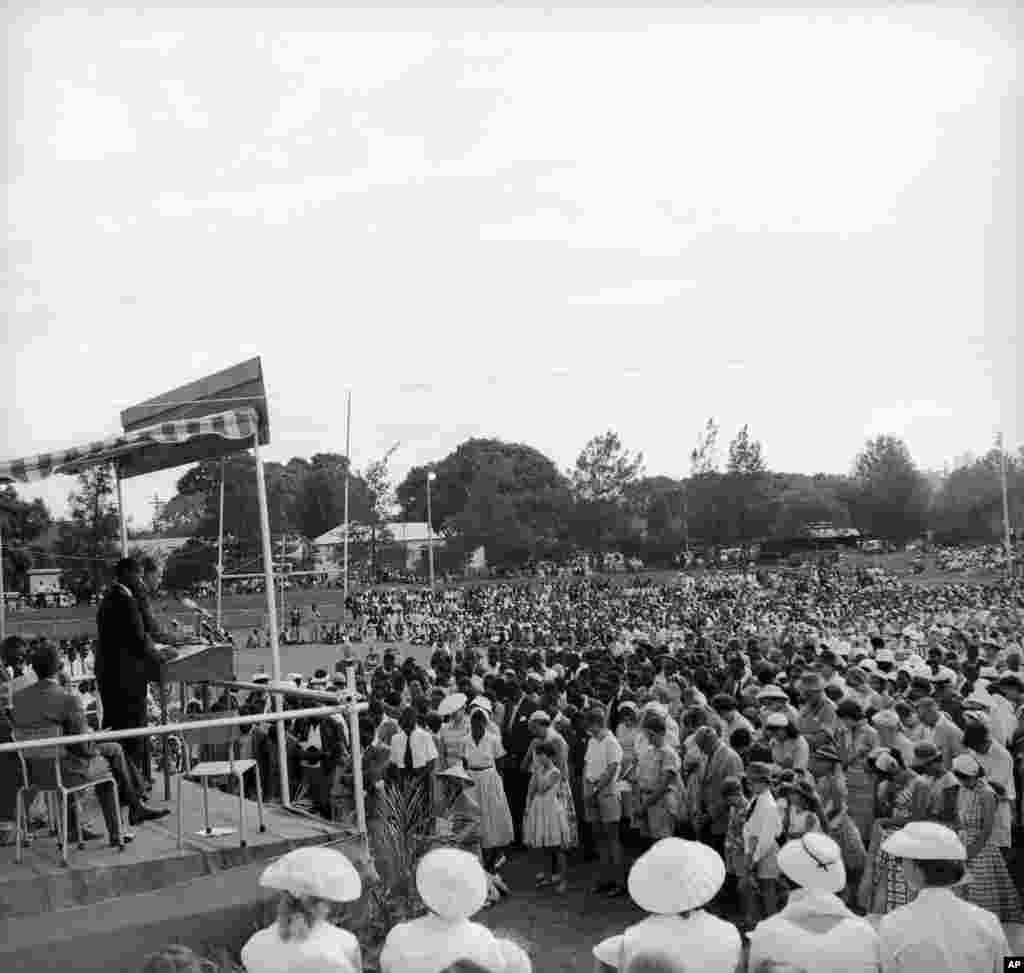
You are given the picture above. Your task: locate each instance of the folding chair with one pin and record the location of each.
(207, 769)
(40, 771)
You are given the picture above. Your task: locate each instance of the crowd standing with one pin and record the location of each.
(793, 752)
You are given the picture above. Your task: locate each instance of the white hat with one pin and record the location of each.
(482, 702)
(676, 876)
(318, 871)
(886, 762)
(885, 655)
(771, 691)
(452, 883)
(814, 862)
(966, 765)
(776, 721)
(925, 841)
(451, 704)
(887, 719)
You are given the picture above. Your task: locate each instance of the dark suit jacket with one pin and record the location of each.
(46, 705)
(127, 660)
(516, 736)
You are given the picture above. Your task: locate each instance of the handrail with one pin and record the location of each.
(327, 697)
(102, 736)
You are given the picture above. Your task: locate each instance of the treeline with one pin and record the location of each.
(515, 502)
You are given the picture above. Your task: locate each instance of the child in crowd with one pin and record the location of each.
(546, 824)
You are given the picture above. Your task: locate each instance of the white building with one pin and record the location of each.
(44, 581)
(413, 536)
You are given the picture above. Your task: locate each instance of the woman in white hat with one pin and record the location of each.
(673, 882)
(990, 885)
(309, 880)
(815, 930)
(453, 887)
(454, 734)
(938, 932)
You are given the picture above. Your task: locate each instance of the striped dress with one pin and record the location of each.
(989, 884)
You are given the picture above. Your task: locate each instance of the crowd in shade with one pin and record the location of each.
(824, 766)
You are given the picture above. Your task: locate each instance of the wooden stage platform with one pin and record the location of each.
(152, 861)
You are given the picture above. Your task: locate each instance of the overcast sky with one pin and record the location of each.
(522, 224)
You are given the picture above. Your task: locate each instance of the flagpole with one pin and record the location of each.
(220, 548)
(1006, 508)
(3, 595)
(348, 469)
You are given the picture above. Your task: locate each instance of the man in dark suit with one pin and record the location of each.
(516, 739)
(126, 660)
(47, 705)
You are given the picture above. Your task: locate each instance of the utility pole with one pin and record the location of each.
(430, 530)
(348, 471)
(1006, 509)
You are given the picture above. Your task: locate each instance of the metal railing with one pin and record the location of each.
(103, 736)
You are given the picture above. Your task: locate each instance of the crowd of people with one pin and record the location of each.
(748, 722)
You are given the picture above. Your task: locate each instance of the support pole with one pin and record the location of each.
(275, 648)
(3, 596)
(348, 470)
(220, 550)
(357, 755)
(120, 512)
(1006, 509)
(430, 531)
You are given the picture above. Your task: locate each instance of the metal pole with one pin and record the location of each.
(430, 532)
(357, 756)
(348, 468)
(268, 580)
(120, 512)
(3, 596)
(220, 548)
(1006, 508)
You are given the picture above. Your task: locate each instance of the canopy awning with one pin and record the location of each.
(237, 424)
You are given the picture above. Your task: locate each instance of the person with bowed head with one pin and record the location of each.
(310, 880)
(453, 887)
(673, 882)
(937, 932)
(815, 930)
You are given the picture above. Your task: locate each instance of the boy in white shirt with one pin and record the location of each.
(601, 801)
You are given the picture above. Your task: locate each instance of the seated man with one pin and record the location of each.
(48, 705)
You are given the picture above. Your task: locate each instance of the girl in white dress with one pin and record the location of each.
(546, 824)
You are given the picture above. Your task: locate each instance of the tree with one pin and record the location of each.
(746, 456)
(381, 495)
(889, 496)
(605, 470)
(22, 523)
(968, 506)
(91, 536)
(190, 564)
(508, 497)
(704, 456)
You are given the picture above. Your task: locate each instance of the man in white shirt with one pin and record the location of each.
(938, 932)
(413, 752)
(601, 801)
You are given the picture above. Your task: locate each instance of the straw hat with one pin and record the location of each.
(676, 876)
(925, 841)
(317, 871)
(482, 702)
(771, 691)
(887, 719)
(966, 766)
(452, 704)
(452, 883)
(814, 862)
(458, 772)
(776, 721)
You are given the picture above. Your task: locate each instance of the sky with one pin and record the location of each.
(528, 224)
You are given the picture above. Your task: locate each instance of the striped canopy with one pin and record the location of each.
(237, 424)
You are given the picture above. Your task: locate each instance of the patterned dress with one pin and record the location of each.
(860, 783)
(884, 886)
(564, 788)
(989, 884)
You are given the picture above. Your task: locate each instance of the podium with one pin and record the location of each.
(196, 663)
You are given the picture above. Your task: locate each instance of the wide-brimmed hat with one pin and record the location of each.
(482, 703)
(451, 704)
(925, 841)
(316, 871)
(925, 754)
(771, 691)
(458, 772)
(759, 771)
(451, 883)
(887, 719)
(776, 721)
(676, 876)
(813, 862)
(966, 765)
